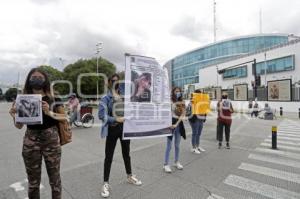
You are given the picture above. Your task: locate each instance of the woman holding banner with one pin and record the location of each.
(196, 121)
(178, 111)
(111, 112)
(41, 141)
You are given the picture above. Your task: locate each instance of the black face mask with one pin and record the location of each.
(224, 96)
(37, 84)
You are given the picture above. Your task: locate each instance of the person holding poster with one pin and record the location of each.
(41, 140)
(147, 104)
(196, 121)
(224, 119)
(178, 109)
(111, 112)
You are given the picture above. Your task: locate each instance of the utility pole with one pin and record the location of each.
(215, 21)
(98, 49)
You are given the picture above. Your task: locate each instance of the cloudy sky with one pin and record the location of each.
(35, 32)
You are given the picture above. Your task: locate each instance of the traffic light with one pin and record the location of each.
(257, 81)
(254, 67)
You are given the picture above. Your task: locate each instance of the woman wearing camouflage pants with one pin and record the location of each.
(41, 140)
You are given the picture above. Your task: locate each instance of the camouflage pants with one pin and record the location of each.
(38, 144)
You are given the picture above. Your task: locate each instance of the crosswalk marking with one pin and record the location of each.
(214, 196)
(287, 138)
(282, 146)
(284, 142)
(275, 160)
(277, 152)
(283, 175)
(288, 133)
(289, 129)
(260, 188)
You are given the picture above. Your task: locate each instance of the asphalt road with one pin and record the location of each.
(250, 169)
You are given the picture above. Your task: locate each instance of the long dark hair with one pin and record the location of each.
(173, 96)
(136, 81)
(110, 86)
(27, 88)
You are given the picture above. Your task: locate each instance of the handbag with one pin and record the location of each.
(64, 128)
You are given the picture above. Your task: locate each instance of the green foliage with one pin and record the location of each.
(11, 94)
(122, 75)
(53, 75)
(88, 85)
(72, 72)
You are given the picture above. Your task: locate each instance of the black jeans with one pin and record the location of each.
(115, 133)
(221, 126)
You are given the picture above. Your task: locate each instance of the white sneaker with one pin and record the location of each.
(201, 149)
(167, 169)
(131, 179)
(178, 165)
(196, 151)
(105, 190)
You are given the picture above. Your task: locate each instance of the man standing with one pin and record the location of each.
(224, 119)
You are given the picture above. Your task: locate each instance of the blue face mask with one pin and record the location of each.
(178, 95)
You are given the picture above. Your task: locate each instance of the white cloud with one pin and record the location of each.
(35, 32)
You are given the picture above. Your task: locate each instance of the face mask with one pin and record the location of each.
(178, 95)
(224, 97)
(36, 84)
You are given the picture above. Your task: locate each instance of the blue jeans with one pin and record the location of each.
(73, 116)
(196, 132)
(177, 136)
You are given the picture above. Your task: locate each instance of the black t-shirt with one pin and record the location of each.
(47, 120)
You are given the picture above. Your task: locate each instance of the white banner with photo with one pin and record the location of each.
(279, 90)
(240, 92)
(147, 108)
(29, 109)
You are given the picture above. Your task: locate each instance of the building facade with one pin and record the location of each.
(272, 64)
(184, 68)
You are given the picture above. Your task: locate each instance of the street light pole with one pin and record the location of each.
(98, 48)
(62, 63)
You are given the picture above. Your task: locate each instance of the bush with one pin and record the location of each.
(11, 94)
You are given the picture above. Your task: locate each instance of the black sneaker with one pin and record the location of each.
(227, 146)
(220, 145)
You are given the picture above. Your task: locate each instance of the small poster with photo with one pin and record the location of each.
(29, 109)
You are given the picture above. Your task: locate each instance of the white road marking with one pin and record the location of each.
(286, 138)
(275, 160)
(283, 175)
(284, 142)
(214, 196)
(289, 134)
(260, 188)
(277, 152)
(19, 188)
(279, 146)
(289, 129)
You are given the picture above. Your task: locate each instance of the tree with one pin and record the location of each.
(88, 85)
(122, 75)
(11, 94)
(1, 94)
(53, 75)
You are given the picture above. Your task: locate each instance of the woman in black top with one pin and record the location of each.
(41, 140)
